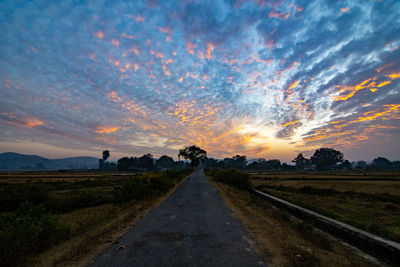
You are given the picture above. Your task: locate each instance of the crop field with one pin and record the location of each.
(40, 211)
(367, 200)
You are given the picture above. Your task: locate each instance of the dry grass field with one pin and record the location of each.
(281, 238)
(366, 200)
(51, 218)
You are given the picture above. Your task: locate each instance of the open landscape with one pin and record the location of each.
(366, 200)
(75, 211)
(200, 133)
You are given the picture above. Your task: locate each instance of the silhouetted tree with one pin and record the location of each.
(238, 161)
(165, 162)
(106, 155)
(381, 163)
(361, 165)
(300, 161)
(325, 158)
(123, 164)
(273, 164)
(194, 154)
(146, 161)
(211, 163)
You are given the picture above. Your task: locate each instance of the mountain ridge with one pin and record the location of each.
(11, 161)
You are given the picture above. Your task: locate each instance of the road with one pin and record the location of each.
(192, 227)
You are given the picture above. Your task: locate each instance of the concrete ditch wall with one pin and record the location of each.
(387, 251)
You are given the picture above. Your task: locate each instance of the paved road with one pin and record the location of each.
(192, 227)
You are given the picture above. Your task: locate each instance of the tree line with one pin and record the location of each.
(322, 159)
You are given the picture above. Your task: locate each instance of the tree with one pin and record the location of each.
(211, 163)
(239, 162)
(381, 163)
(272, 164)
(123, 164)
(146, 161)
(194, 154)
(106, 155)
(301, 161)
(326, 158)
(361, 165)
(165, 162)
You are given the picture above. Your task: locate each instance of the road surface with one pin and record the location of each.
(192, 227)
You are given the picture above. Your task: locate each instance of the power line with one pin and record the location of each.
(49, 130)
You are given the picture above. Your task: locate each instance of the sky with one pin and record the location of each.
(264, 78)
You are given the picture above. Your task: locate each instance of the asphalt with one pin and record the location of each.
(192, 227)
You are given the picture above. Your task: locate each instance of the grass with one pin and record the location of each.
(41, 216)
(371, 205)
(282, 239)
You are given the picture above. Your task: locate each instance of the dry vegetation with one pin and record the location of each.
(51, 219)
(284, 240)
(369, 201)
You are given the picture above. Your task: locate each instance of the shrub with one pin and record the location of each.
(147, 185)
(12, 195)
(29, 230)
(232, 177)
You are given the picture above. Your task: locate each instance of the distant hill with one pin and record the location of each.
(10, 161)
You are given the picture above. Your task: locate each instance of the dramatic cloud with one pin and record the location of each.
(262, 78)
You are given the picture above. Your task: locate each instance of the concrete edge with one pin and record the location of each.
(381, 248)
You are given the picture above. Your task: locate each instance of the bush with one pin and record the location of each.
(29, 230)
(232, 177)
(12, 195)
(147, 185)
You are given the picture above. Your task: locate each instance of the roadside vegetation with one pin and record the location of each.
(372, 205)
(281, 238)
(42, 214)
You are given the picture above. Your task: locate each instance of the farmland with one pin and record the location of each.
(367, 200)
(52, 217)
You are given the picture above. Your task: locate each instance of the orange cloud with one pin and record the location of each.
(106, 129)
(164, 30)
(115, 42)
(170, 60)
(385, 66)
(99, 34)
(289, 123)
(139, 18)
(136, 67)
(31, 122)
(367, 84)
(344, 9)
(384, 83)
(159, 55)
(394, 75)
(113, 96)
(373, 115)
(136, 51)
(209, 50)
(91, 56)
(190, 47)
(292, 85)
(166, 71)
(127, 36)
(279, 15)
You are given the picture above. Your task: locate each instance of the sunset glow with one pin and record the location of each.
(262, 78)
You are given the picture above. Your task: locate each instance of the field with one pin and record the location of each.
(49, 218)
(367, 200)
(281, 238)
